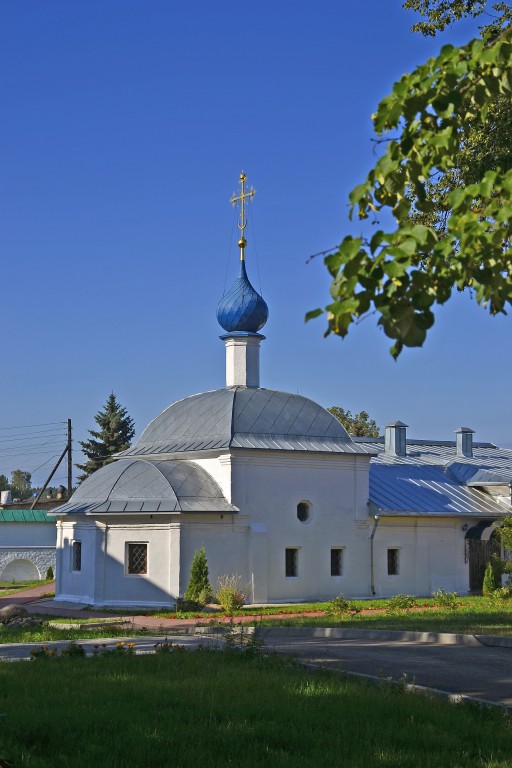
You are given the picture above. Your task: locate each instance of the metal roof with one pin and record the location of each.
(245, 417)
(432, 480)
(26, 516)
(142, 486)
(427, 489)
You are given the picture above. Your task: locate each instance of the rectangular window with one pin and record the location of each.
(137, 555)
(76, 556)
(393, 562)
(336, 562)
(291, 561)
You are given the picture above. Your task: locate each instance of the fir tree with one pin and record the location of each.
(199, 589)
(489, 583)
(116, 430)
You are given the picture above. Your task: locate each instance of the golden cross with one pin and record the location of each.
(241, 198)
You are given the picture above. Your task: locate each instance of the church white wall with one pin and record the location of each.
(431, 556)
(78, 586)
(268, 487)
(220, 469)
(226, 542)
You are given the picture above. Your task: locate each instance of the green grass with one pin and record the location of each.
(474, 615)
(210, 709)
(46, 634)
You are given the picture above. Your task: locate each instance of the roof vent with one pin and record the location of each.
(464, 442)
(395, 439)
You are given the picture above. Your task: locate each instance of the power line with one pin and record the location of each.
(22, 435)
(29, 426)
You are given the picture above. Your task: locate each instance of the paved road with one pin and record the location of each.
(478, 671)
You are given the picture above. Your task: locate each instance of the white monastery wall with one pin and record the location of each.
(27, 550)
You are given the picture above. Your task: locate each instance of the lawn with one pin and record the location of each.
(481, 618)
(472, 615)
(214, 708)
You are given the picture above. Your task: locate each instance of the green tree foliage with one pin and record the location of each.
(489, 582)
(4, 483)
(199, 589)
(445, 176)
(357, 424)
(116, 430)
(21, 485)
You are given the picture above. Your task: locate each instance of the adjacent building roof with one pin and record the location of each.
(416, 489)
(245, 417)
(26, 516)
(431, 479)
(141, 486)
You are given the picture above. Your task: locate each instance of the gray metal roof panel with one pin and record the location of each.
(240, 417)
(133, 485)
(427, 489)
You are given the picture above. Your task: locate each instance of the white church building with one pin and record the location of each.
(275, 490)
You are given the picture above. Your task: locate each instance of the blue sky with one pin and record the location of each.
(124, 126)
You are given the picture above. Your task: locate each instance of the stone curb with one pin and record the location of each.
(439, 638)
(423, 690)
(386, 635)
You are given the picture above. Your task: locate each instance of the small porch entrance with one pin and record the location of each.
(481, 544)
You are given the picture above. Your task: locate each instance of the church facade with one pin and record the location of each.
(275, 490)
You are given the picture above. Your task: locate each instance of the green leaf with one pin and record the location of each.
(312, 314)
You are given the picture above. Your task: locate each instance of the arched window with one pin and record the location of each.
(303, 511)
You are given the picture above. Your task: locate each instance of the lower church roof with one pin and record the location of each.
(141, 486)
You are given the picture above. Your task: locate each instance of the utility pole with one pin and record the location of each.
(67, 450)
(70, 462)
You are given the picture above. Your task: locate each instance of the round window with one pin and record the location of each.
(303, 511)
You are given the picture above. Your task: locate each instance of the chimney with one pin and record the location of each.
(464, 442)
(395, 440)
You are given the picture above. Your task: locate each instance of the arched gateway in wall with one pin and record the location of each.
(20, 570)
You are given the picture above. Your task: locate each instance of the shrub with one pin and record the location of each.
(489, 583)
(501, 593)
(43, 652)
(49, 574)
(446, 599)
(166, 646)
(121, 649)
(230, 595)
(183, 605)
(400, 603)
(199, 589)
(73, 650)
(340, 606)
(241, 639)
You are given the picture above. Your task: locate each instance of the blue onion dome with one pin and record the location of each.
(242, 309)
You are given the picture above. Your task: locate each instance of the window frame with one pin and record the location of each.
(340, 551)
(291, 560)
(306, 507)
(76, 547)
(128, 556)
(395, 570)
